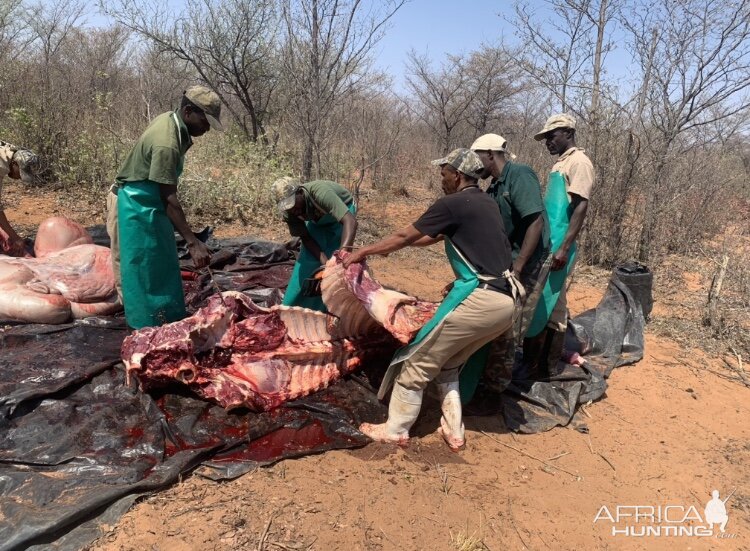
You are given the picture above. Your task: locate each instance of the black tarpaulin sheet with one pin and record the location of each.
(69, 453)
(608, 336)
(77, 445)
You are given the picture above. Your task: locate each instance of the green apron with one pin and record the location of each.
(559, 210)
(466, 281)
(327, 233)
(150, 269)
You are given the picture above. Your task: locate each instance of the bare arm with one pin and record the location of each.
(198, 250)
(530, 241)
(349, 232)
(7, 228)
(426, 241)
(308, 241)
(394, 242)
(560, 256)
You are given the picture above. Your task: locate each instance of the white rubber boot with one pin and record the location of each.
(451, 423)
(402, 412)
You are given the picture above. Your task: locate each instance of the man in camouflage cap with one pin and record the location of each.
(481, 301)
(18, 164)
(144, 211)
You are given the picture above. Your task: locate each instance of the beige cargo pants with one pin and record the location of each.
(114, 238)
(481, 317)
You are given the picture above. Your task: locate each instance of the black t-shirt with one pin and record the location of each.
(472, 221)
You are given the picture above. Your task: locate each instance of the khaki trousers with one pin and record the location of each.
(481, 317)
(114, 237)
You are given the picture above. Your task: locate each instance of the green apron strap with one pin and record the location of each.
(559, 211)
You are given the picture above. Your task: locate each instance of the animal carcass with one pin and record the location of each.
(237, 353)
(356, 298)
(65, 282)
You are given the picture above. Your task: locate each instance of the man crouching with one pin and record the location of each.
(478, 308)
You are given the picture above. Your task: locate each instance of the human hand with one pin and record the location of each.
(447, 289)
(199, 253)
(353, 257)
(559, 260)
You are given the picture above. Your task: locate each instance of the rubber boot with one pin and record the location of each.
(554, 350)
(535, 351)
(402, 412)
(451, 424)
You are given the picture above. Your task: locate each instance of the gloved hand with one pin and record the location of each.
(311, 285)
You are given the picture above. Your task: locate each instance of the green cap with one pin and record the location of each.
(462, 159)
(207, 101)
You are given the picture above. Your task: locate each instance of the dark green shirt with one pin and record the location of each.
(321, 197)
(159, 153)
(518, 194)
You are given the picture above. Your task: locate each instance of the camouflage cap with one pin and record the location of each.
(563, 120)
(462, 159)
(283, 191)
(209, 102)
(28, 164)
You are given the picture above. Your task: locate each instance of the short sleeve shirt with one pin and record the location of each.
(518, 194)
(578, 171)
(472, 221)
(321, 197)
(158, 153)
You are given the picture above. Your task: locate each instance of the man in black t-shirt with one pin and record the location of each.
(479, 307)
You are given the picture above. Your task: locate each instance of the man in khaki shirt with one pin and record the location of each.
(578, 174)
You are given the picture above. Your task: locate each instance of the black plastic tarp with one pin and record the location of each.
(70, 451)
(608, 336)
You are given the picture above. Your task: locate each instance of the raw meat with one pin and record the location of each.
(58, 233)
(243, 355)
(82, 273)
(74, 282)
(20, 303)
(357, 299)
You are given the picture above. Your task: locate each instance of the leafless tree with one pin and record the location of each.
(697, 53)
(229, 44)
(494, 79)
(445, 97)
(326, 54)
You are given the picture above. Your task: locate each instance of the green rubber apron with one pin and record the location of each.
(466, 281)
(150, 269)
(559, 211)
(326, 231)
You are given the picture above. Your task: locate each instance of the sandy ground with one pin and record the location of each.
(670, 429)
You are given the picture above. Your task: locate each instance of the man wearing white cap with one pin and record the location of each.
(516, 190)
(323, 215)
(144, 212)
(479, 307)
(569, 187)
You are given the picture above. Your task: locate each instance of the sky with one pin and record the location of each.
(440, 27)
